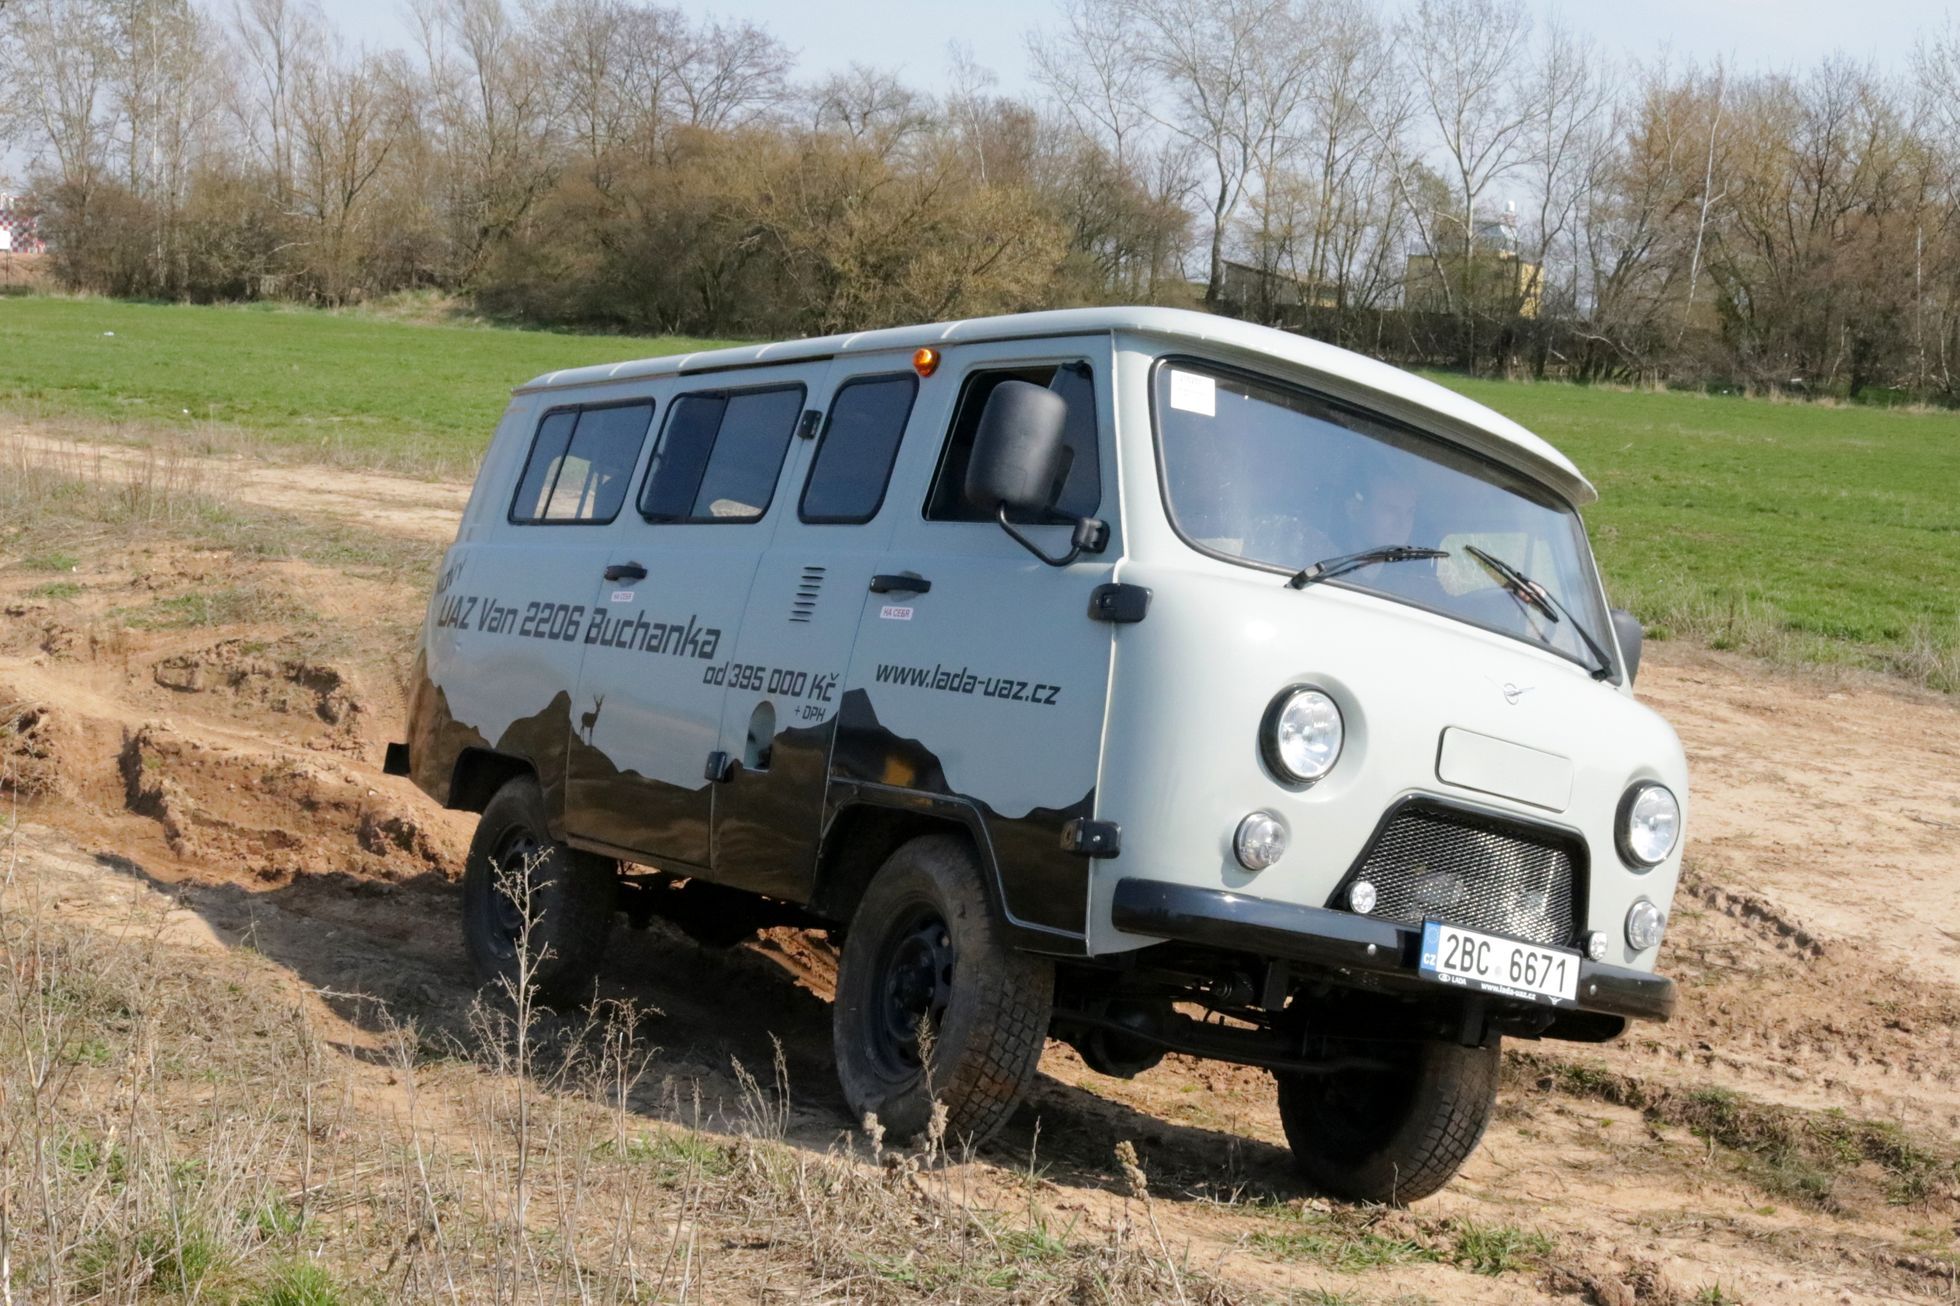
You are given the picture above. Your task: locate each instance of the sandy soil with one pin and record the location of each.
(235, 771)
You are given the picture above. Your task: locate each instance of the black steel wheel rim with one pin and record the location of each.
(514, 863)
(914, 985)
(1364, 1107)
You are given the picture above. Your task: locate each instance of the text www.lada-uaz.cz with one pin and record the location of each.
(964, 681)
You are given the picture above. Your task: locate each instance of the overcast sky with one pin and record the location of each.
(912, 37)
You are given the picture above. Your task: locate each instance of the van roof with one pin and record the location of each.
(1340, 371)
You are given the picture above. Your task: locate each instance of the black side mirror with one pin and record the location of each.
(1020, 461)
(1018, 449)
(1626, 628)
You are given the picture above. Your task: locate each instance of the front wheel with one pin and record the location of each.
(932, 1004)
(1392, 1134)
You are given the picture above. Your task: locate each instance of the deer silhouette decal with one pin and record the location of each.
(587, 720)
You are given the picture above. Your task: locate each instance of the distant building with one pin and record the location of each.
(1495, 279)
(19, 234)
(1254, 287)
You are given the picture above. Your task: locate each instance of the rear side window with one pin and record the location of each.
(720, 454)
(1081, 478)
(581, 461)
(860, 442)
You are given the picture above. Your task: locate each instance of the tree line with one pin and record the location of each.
(1442, 182)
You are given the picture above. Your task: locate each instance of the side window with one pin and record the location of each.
(719, 455)
(580, 462)
(1082, 477)
(860, 442)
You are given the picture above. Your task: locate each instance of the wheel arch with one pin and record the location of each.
(479, 773)
(866, 823)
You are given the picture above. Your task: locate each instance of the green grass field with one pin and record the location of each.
(1803, 532)
(347, 385)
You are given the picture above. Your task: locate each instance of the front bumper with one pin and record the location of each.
(1342, 941)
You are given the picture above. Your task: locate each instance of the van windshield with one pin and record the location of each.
(1267, 475)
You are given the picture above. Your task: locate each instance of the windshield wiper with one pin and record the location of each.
(1328, 568)
(1527, 590)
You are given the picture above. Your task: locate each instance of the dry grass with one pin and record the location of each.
(198, 1126)
(55, 507)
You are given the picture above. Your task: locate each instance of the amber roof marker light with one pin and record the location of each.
(925, 360)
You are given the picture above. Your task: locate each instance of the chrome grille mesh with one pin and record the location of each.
(1460, 870)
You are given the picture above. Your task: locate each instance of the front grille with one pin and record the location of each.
(1474, 871)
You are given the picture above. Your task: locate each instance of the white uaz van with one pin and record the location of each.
(1151, 680)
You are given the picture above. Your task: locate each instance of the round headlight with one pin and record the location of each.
(1259, 841)
(1650, 824)
(1645, 922)
(1301, 736)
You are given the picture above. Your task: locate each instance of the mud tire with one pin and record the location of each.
(1392, 1136)
(925, 937)
(573, 897)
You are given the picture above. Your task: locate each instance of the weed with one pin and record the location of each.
(1497, 1248)
(54, 561)
(55, 589)
(1342, 1243)
(276, 1218)
(298, 1283)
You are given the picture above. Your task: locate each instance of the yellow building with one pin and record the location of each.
(1498, 283)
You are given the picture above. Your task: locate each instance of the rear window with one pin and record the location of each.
(860, 442)
(720, 454)
(1081, 478)
(580, 463)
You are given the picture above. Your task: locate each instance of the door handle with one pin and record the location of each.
(906, 584)
(626, 571)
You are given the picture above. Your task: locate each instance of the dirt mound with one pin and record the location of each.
(274, 815)
(261, 678)
(30, 749)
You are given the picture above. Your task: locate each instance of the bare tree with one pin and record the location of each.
(1091, 71)
(60, 63)
(348, 121)
(1217, 91)
(493, 119)
(870, 105)
(1566, 100)
(1466, 56)
(728, 73)
(278, 40)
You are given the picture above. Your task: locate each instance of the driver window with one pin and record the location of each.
(1081, 483)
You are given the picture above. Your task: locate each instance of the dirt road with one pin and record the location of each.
(233, 768)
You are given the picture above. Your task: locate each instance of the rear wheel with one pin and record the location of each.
(1394, 1134)
(522, 889)
(925, 953)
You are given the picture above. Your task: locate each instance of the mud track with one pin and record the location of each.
(235, 769)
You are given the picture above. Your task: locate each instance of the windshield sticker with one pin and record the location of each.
(1194, 393)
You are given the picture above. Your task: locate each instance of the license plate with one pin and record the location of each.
(1490, 963)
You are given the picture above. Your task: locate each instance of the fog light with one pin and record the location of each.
(1596, 945)
(1645, 922)
(1260, 841)
(1361, 897)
